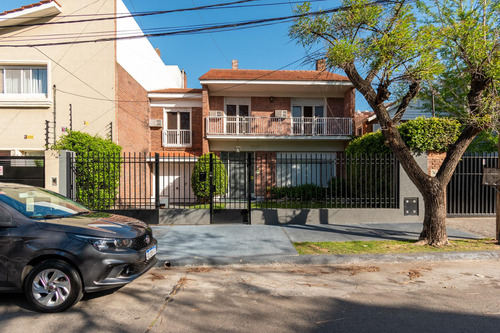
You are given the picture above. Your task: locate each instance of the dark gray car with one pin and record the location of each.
(54, 249)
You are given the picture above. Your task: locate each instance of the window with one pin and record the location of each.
(237, 113)
(308, 117)
(24, 80)
(177, 128)
(293, 169)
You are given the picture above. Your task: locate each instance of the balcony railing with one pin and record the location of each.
(176, 138)
(274, 126)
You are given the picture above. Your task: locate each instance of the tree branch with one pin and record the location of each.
(413, 90)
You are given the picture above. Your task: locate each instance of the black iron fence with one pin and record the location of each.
(466, 196)
(27, 170)
(236, 181)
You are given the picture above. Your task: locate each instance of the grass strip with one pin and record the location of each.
(393, 246)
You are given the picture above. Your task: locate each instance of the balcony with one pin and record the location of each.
(278, 127)
(177, 138)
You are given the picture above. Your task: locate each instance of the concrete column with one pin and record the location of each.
(57, 173)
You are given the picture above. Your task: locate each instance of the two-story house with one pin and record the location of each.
(67, 65)
(279, 116)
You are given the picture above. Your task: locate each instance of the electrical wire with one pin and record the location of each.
(210, 28)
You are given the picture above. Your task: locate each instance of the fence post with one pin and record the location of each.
(157, 181)
(211, 185)
(249, 189)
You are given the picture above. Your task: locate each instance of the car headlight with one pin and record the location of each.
(104, 244)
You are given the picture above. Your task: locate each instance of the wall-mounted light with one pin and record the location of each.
(271, 99)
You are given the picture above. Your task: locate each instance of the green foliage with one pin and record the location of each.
(201, 187)
(420, 135)
(97, 168)
(430, 134)
(303, 192)
(370, 143)
(378, 37)
(485, 142)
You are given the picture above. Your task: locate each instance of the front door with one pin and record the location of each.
(236, 166)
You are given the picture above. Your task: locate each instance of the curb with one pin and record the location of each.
(322, 259)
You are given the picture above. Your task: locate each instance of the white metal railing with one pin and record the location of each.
(274, 126)
(176, 138)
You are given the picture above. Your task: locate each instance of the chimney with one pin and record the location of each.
(158, 52)
(321, 65)
(185, 82)
(234, 64)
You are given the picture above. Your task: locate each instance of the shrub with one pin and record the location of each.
(420, 135)
(430, 134)
(370, 143)
(300, 192)
(97, 168)
(485, 142)
(201, 185)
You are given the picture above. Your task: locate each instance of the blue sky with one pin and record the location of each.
(267, 47)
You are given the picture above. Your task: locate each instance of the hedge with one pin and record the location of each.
(97, 186)
(200, 179)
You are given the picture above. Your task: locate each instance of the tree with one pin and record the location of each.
(389, 52)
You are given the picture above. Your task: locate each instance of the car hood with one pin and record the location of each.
(99, 225)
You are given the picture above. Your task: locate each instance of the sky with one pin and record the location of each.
(266, 47)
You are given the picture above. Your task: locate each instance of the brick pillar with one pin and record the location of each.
(434, 161)
(205, 112)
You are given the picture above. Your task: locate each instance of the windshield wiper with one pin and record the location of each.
(48, 216)
(81, 213)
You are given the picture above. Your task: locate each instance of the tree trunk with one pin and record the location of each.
(434, 230)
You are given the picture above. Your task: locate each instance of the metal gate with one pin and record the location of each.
(29, 170)
(466, 196)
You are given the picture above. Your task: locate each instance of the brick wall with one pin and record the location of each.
(132, 116)
(335, 107)
(265, 172)
(196, 133)
(263, 107)
(434, 161)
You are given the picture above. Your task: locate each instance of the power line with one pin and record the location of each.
(216, 28)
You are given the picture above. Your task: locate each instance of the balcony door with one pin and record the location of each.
(178, 128)
(237, 115)
(308, 119)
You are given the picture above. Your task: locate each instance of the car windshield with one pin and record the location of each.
(39, 203)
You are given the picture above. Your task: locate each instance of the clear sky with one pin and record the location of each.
(266, 47)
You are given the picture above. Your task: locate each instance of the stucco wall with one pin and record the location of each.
(83, 73)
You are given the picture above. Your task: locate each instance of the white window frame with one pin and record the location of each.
(304, 102)
(165, 126)
(27, 99)
(238, 101)
(312, 102)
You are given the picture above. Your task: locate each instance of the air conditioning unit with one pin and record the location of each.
(155, 123)
(216, 114)
(281, 113)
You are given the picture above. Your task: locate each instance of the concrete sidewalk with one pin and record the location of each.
(263, 244)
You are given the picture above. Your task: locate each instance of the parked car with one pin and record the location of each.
(55, 249)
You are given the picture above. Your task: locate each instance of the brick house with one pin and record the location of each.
(96, 87)
(273, 115)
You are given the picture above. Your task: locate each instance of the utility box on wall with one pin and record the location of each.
(410, 206)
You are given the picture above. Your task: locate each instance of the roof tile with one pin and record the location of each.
(269, 75)
(43, 2)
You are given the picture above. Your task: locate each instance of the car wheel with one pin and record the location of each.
(53, 286)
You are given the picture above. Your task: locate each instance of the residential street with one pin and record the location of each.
(410, 297)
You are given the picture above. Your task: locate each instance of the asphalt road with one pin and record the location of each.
(461, 296)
